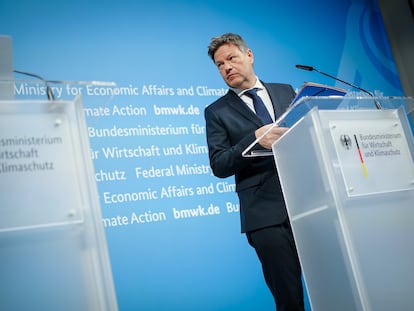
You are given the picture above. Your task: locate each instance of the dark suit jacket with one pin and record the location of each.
(230, 127)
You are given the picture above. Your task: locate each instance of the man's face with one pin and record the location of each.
(235, 66)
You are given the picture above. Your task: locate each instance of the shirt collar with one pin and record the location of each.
(257, 85)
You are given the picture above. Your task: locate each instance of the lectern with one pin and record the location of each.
(53, 252)
(347, 174)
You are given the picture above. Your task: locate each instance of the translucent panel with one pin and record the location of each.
(53, 253)
(352, 224)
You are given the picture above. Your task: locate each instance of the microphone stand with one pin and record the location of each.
(310, 68)
(49, 91)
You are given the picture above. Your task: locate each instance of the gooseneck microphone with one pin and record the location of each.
(304, 67)
(49, 91)
(310, 68)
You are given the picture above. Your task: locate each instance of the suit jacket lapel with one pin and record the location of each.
(236, 103)
(274, 96)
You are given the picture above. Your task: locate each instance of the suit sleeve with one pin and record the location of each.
(225, 155)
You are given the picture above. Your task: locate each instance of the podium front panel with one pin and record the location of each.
(53, 248)
(353, 239)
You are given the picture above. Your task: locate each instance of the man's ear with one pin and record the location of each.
(249, 54)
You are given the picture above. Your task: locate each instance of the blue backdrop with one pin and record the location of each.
(172, 228)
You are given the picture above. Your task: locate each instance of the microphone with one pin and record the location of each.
(49, 91)
(310, 68)
(303, 67)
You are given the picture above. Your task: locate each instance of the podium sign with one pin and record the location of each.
(53, 248)
(38, 157)
(371, 154)
(348, 181)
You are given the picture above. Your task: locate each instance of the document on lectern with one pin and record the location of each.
(298, 108)
(316, 89)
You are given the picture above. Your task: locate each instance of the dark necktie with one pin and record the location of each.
(259, 106)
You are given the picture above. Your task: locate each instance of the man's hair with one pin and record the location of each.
(227, 38)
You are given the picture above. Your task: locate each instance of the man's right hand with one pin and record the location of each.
(274, 134)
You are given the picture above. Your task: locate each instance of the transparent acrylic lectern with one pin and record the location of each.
(53, 252)
(347, 174)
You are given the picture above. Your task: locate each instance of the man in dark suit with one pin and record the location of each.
(232, 125)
